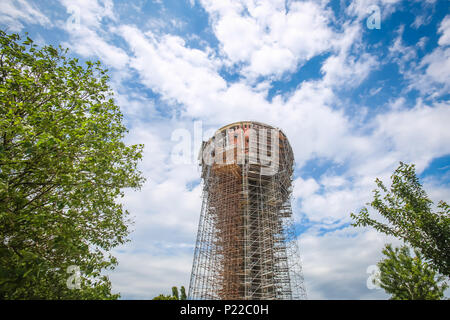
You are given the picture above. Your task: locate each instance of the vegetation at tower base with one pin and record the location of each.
(182, 292)
(63, 164)
(174, 296)
(409, 278)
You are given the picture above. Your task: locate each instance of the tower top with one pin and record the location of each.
(242, 123)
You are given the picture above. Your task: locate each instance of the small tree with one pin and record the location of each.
(409, 278)
(175, 293)
(409, 215)
(174, 296)
(63, 164)
(183, 293)
(164, 297)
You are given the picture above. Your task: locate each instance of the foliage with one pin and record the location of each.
(165, 297)
(63, 164)
(174, 296)
(183, 293)
(409, 278)
(175, 293)
(409, 215)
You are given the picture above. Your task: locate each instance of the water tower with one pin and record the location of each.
(246, 246)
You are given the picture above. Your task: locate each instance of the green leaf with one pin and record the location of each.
(63, 166)
(408, 213)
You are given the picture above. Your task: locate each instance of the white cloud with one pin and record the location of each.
(415, 135)
(435, 79)
(182, 75)
(437, 68)
(418, 134)
(437, 191)
(349, 70)
(444, 28)
(331, 182)
(165, 213)
(88, 37)
(90, 13)
(402, 54)
(88, 43)
(14, 13)
(431, 75)
(335, 264)
(332, 207)
(268, 38)
(421, 43)
(304, 188)
(362, 8)
(143, 275)
(421, 20)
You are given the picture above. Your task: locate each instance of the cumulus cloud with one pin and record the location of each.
(14, 13)
(430, 76)
(444, 29)
(182, 75)
(336, 264)
(362, 9)
(88, 35)
(269, 37)
(418, 134)
(304, 188)
(349, 70)
(142, 275)
(437, 68)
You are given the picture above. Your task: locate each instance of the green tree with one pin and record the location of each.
(409, 278)
(409, 216)
(175, 295)
(63, 164)
(164, 297)
(183, 293)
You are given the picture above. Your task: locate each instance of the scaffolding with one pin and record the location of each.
(246, 245)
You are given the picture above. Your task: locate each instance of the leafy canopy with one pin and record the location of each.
(63, 164)
(409, 278)
(175, 295)
(409, 216)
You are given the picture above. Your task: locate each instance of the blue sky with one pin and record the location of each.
(353, 101)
